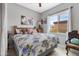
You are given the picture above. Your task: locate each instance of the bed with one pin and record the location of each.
(36, 44)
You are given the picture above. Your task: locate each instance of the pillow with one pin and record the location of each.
(75, 41)
(30, 31)
(18, 31)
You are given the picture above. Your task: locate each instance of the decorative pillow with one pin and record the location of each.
(75, 41)
(22, 31)
(30, 31)
(18, 31)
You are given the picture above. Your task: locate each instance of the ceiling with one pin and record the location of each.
(35, 6)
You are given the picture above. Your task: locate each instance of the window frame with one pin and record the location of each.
(58, 14)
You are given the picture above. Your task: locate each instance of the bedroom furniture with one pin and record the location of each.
(71, 42)
(10, 42)
(21, 41)
(11, 47)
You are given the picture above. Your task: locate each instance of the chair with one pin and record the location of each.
(73, 34)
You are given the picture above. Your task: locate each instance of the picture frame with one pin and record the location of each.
(29, 21)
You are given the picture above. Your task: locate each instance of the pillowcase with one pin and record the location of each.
(18, 31)
(75, 41)
(30, 31)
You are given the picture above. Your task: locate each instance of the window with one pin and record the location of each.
(51, 23)
(58, 22)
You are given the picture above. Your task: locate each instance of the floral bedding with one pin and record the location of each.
(35, 44)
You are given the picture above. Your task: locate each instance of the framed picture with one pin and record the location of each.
(27, 20)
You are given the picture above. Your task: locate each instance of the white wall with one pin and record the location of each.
(4, 30)
(0, 14)
(0, 24)
(15, 11)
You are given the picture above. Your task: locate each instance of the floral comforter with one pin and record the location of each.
(35, 44)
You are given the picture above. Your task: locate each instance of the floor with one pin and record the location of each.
(11, 50)
(59, 51)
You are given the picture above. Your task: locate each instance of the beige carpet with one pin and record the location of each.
(60, 51)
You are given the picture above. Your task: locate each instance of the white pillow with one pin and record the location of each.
(18, 31)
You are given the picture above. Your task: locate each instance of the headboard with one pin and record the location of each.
(21, 30)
